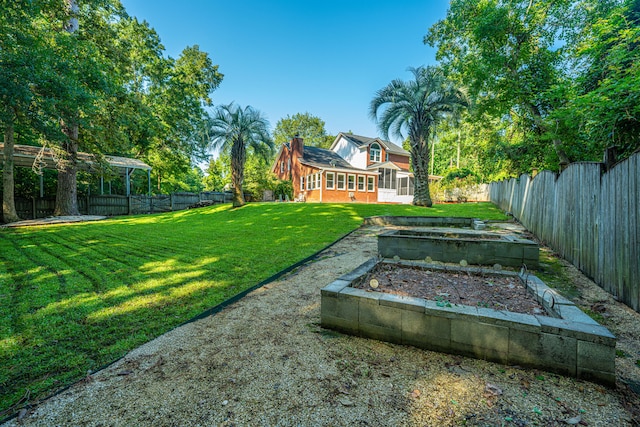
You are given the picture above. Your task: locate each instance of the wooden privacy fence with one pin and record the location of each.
(111, 205)
(590, 217)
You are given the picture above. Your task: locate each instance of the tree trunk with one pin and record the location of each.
(238, 157)
(562, 155)
(458, 156)
(67, 191)
(557, 143)
(420, 163)
(9, 213)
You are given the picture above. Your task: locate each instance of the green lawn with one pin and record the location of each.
(76, 297)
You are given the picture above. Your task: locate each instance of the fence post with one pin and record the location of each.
(129, 205)
(33, 207)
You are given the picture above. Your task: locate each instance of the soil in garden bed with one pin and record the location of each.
(497, 292)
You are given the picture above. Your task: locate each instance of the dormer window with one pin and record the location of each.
(375, 153)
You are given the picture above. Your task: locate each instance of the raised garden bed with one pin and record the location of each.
(563, 340)
(475, 247)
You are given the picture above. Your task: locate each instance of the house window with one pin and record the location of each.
(330, 180)
(281, 166)
(289, 164)
(318, 180)
(308, 182)
(371, 183)
(351, 182)
(386, 157)
(302, 183)
(360, 183)
(387, 178)
(374, 152)
(341, 181)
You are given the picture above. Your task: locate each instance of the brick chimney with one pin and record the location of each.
(297, 147)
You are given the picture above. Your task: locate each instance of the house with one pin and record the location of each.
(387, 160)
(320, 175)
(354, 169)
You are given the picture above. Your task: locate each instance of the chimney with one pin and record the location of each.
(297, 147)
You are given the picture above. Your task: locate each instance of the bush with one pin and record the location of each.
(455, 176)
(458, 185)
(284, 189)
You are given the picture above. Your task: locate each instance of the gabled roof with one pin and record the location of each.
(385, 165)
(280, 150)
(319, 158)
(324, 159)
(363, 141)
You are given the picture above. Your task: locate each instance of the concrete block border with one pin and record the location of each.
(567, 341)
(475, 247)
(425, 221)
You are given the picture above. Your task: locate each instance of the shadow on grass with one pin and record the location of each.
(79, 296)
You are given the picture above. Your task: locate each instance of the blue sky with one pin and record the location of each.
(282, 57)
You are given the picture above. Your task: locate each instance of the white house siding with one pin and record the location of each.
(360, 159)
(351, 153)
(390, 196)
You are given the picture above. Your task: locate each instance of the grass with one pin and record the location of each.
(553, 273)
(76, 297)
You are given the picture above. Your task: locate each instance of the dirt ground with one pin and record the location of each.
(450, 287)
(265, 361)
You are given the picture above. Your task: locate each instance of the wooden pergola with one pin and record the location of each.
(27, 155)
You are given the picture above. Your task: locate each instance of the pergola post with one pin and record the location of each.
(127, 181)
(149, 180)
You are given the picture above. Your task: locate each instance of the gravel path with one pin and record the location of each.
(265, 361)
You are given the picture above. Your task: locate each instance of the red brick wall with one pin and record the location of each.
(402, 161)
(329, 196)
(282, 160)
(334, 195)
(342, 196)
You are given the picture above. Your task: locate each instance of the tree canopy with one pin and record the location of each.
(553, 81)
(84, 75)
(305, 125)
(415, 107)
(233, 129)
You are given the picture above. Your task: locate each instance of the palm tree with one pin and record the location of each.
(235, 128)
(417, 106)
